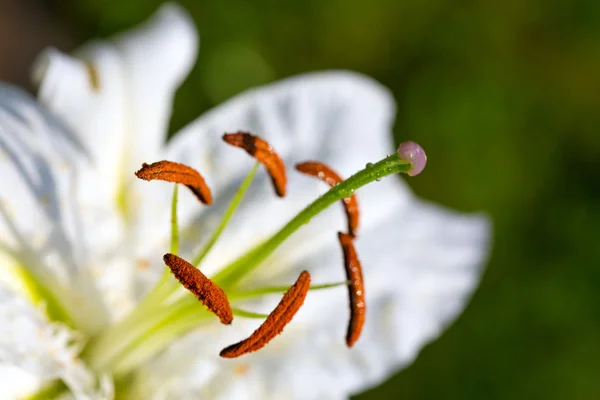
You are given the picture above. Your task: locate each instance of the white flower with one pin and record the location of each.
(81, 240)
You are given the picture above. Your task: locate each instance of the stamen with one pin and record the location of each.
(326, 174)
(170, 171)
(211, 295)
(275, 322)
(356, 289)
(264, 153)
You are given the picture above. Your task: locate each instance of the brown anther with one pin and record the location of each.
(275, 322)
(264, 153)
(326, 174)
(212, 296)
(170, 171)
(356, 289)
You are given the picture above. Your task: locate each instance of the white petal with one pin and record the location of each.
(340, 118)
(119, 100)
(156, 57)
(420, 268)
(34, 352)
(48, 206)
(16, 383)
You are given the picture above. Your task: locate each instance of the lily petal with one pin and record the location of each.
(34, 352)
(45, 190)
(117, 96)
(53, 221)
(421, 267)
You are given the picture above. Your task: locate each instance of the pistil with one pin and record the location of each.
(332, 178)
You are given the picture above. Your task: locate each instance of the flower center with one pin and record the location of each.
(168, 311)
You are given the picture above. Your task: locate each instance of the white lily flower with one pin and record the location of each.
(82, 241)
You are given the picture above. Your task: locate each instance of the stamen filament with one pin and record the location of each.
(174, 222)
(164, 330)
(233, 205)
(238, 312)
(104, 352)
(281, 289)
(231, 274)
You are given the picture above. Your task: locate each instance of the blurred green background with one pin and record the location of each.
(505, 98)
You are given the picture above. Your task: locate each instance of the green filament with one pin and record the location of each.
(228, 214)
(238, 312)
(280, 289)
(174, 222)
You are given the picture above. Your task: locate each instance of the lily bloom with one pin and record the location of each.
(88, 307)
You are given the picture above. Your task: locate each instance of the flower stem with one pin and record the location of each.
(232, 273)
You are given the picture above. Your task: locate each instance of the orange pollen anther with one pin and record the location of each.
(211, 295)
(275, 322)
(356, 289)
(264, 153)
(326, 174)
(170, 171)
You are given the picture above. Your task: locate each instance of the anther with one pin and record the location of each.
(211, 295)
(326, 174)
(264, 153)
(275, 322)
(356, 289)
(170, 171)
